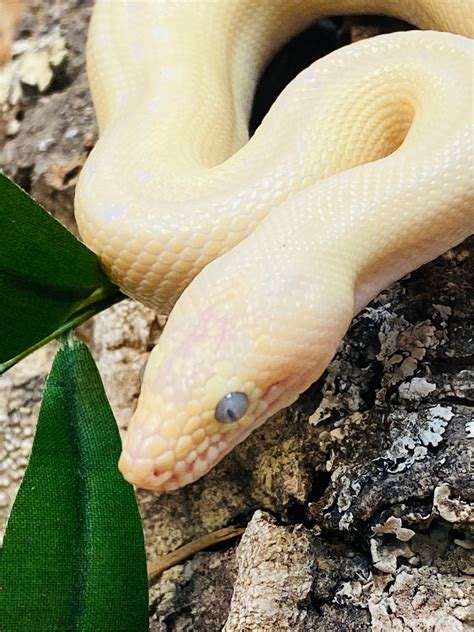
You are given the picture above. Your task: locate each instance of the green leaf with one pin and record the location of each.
(73, 555)
(49, 281)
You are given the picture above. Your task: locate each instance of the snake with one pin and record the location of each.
(263, 248)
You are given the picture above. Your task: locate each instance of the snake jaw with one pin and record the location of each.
(156, 473)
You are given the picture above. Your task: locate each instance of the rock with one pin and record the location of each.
(276, 566)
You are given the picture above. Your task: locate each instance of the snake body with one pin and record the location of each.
(361, 172)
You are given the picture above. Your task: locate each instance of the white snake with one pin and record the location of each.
(361, 172)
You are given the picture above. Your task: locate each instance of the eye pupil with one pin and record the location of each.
(231, 407)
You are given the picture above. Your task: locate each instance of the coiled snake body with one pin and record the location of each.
(361, 172)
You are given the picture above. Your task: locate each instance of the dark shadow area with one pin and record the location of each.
(318, 40)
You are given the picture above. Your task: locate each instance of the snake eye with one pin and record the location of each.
(231, 408)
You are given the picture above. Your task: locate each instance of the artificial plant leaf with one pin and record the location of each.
(49, 281)
(73, 555)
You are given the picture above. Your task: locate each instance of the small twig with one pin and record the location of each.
(188, 550)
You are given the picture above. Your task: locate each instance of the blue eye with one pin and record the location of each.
(231, 408)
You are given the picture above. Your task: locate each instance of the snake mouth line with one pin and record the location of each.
(186, 473)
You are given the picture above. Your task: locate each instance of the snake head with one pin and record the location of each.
(189, 414)
(228, 359)
(188, 417)
(200, 396)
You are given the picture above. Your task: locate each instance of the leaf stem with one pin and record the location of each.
(107, 295)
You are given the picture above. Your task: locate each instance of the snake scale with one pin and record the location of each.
(264, 248)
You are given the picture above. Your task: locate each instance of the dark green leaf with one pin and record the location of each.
(49, 281)
(73, 556)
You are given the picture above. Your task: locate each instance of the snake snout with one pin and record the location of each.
(164, 464)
